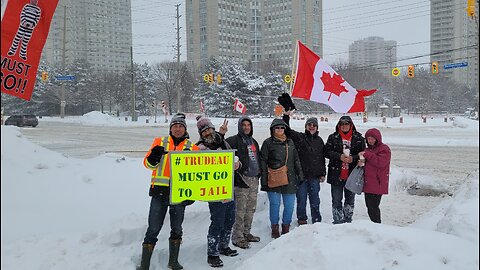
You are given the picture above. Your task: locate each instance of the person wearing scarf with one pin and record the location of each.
(342, 149)
(273, 155)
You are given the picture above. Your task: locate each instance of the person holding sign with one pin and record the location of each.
(222, 213)
(281, 175)
(158, 160)
(245, 182)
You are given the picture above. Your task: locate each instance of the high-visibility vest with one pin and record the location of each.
(161, 171)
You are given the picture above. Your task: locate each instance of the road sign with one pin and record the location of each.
(395, 72)
(65, 78)
(455, 65)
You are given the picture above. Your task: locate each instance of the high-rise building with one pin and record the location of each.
(375, 53)
(97, 31)
(454, 39)
(257, 32)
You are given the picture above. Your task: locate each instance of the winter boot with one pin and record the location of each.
(275, 232)
(285, 228)
(301, 222)
(174, 247)
(229, 252)
(147, 250)
(251, 238)
(242, 244)
(215, 261)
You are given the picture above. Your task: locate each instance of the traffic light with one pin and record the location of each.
(411, 71)
(210, 78)
(219, 79)
(44, 76)
(470, 8)
(434, 67)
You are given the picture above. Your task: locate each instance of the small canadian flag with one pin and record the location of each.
(239, 107)
(202, 109)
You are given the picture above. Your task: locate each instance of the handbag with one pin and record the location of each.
(278, 177)
(355, 180)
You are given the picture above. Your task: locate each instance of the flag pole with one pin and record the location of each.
(293, 66)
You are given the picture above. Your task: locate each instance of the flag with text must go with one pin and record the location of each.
(317, 81)
(25, 25)
(239, 107)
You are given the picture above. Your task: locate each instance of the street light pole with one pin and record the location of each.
(62, 90)
(179, 86)
(134, 117)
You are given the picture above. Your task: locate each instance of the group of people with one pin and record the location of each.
(302, 154)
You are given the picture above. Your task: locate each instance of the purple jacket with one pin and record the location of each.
(377, 165)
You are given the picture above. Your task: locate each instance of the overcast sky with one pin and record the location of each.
(344, 21)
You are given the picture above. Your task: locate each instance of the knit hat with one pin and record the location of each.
(178, 118)
(203, 123)
(312, 120)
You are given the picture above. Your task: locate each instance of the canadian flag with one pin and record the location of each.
(239, 107)
(315, 80)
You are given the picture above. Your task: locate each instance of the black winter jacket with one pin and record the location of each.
(311, 150)
(334, 149)
(273, 156)
(237, 142)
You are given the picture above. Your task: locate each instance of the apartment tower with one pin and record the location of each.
(97, 31)
(375, 53)
(454, 39)
(262, 33)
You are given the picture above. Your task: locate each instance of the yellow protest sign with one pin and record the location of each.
(201, 175)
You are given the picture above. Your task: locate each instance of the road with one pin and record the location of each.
(83, 141)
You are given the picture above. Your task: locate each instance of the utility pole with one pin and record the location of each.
(134, 117)
(179, 86)
(390, 60)
(62, 90)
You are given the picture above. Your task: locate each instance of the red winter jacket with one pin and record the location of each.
(377, 165)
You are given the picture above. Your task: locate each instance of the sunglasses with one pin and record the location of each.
(279, 127)
(343, 123)
(311, 124)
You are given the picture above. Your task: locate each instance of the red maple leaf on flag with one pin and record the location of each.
(333, 84)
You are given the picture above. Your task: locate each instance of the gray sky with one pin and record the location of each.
(344, 21)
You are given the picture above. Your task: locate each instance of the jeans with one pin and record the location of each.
(288, 204)
(311, 188)
(342, 213)
(373, 206)
(222, 217)
(156, 217)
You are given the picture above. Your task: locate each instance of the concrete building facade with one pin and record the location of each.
(373, 52)
(256, 32)
(97, 31)
(454, 39)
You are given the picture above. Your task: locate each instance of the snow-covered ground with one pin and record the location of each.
(62, 212)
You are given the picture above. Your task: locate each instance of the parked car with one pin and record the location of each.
(21, 120)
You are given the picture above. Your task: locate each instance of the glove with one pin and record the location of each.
(286, 101)
(156, 154)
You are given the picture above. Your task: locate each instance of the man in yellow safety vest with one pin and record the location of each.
(158, 160)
